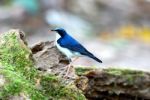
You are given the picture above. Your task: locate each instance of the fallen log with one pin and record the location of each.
(114, 84)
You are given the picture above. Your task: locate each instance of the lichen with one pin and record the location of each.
(22, 78)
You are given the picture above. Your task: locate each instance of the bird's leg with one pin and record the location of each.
(68, 66)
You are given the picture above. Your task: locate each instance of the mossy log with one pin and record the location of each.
(20, 78)
(114, 84)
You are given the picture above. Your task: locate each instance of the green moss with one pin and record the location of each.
(116, 71)
(16, 83)
(58, 91)
(83, 70)
(15, 55)
(18, 67)
(21, 76)
(129, 75)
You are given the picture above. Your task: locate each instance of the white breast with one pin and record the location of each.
(65, 51)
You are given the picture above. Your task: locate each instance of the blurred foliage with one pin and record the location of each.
(144, 34)
(32, 6)
(5, 2)
(132, 32)
(129, 32)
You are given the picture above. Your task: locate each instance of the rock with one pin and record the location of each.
(49, 59)
(20, 79)
(112, 84)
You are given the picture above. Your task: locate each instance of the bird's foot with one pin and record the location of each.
(67, 71)
(69, 68)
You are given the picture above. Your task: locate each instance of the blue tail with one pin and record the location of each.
(95, 58)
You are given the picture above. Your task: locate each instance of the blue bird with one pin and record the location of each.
(71, 47)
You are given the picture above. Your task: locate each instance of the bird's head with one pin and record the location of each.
(60, 31)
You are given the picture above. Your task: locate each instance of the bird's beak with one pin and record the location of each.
(53, 30)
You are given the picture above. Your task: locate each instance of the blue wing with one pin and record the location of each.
(71, 44)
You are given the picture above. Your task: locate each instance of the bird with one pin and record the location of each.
(70, 47)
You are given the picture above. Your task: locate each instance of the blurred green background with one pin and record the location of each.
(116, 31)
